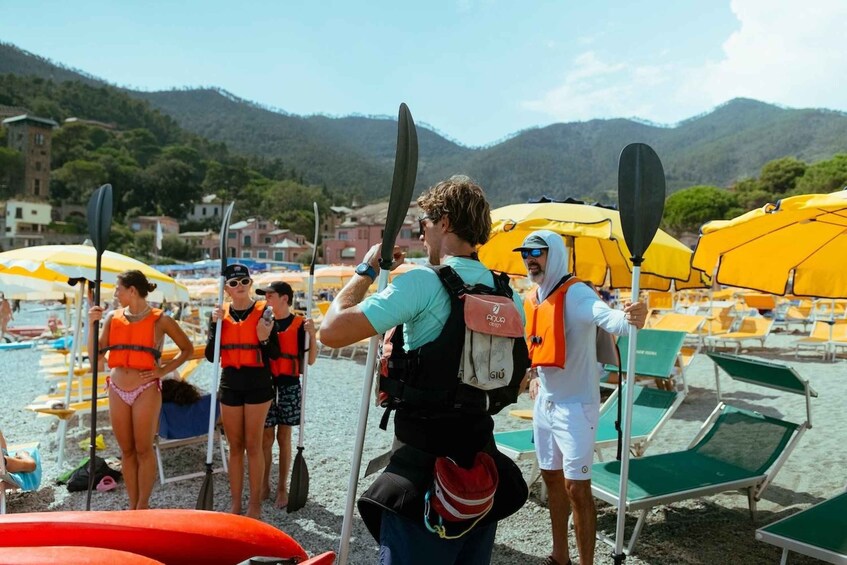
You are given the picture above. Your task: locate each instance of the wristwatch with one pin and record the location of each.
(366, 270)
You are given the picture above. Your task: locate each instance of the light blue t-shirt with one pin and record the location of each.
(420, 302)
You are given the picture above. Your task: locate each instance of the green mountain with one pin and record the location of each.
(355, 154)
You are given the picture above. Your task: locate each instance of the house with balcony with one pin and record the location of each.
(363, 227)
(210, 206)
(23, 223)
(258, 239)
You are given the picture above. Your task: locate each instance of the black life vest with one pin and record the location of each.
(423, 385)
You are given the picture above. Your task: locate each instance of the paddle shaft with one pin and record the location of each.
(627, 417)
(364, 407)
(92, 450)
(310, 288)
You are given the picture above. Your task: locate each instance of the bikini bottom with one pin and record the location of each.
(130, 396)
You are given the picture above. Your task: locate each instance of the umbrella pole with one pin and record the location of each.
(627, 420)
(75, 348)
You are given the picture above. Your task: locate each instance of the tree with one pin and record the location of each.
(750, 194)
(688, 209)
(11, 171)
(824, 177)
(780, 176)
(76, 180)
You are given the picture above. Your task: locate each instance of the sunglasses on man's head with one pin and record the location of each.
(243, 282)
(421, 223)
(532, 253)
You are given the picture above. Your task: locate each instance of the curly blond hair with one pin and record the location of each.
(463, 201)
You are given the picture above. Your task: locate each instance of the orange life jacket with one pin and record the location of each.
(239, 342)
(288, 362)
(545, 327)
(133, 344)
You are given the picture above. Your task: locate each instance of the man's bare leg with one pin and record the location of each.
(560, 507)
(584, 517)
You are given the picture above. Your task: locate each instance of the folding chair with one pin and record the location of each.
(734, 449)
(818, 531)
(657, 355)
(23, 482)
(818, 339)
(186, 425)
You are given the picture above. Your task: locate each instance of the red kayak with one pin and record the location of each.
(170, 536)
(67, 554)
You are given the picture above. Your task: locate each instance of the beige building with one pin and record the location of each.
(24, 223)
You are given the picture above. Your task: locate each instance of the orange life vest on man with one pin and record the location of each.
(132, 344)
(545, 326)
(239, 342)
(288, 362)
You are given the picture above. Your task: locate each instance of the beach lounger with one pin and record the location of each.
(753, 328)
(19, 481)
(735, 449)
(185, 425)
(817, 340)
(657, 355)
(819, 531)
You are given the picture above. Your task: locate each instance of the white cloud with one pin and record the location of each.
(784, 51)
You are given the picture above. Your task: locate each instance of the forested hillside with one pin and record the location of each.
(352, 156)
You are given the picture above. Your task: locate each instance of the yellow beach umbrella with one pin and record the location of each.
(334, 276)
(798, 243)
(294, 278)
(60, 263)
(598, 254)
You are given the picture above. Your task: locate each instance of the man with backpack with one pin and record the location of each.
(568, 324)
(446, 485)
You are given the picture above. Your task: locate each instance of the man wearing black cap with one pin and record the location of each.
(286, 369)
(562, 320)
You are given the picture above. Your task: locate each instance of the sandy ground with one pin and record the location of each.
(716, 529)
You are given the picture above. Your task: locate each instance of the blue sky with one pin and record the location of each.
(474, 70)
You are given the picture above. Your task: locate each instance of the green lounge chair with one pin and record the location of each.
(735, 449)
(819, 531)
(658, 354)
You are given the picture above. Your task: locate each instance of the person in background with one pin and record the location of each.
(6, 315)
(291, 330)
(567, 396)
(248, 344)
(20, 462)
(131, 342)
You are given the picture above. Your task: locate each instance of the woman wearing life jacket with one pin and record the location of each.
(284, 412)
(131, 342)
(248, 344)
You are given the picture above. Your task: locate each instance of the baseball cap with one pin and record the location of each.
(236, 271)
(282, 288)
(532, 241)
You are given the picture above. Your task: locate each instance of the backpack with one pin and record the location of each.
(78, 480)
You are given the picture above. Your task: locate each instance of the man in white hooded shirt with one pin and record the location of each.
(567, 400)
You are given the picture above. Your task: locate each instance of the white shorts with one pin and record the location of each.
(564, 436)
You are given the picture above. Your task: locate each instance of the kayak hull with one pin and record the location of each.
(67, 554)
(170, 536)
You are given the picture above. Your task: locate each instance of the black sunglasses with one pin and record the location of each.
(243, 282)
(532, 253)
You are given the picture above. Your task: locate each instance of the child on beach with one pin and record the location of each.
(285, 408)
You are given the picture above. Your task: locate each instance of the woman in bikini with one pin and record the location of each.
(248, 342)
(133, 336)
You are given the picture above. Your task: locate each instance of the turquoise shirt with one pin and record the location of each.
(420, 302)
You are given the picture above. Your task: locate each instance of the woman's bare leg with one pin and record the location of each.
(254, 427)
(233, 420)
(121, 416)
(145, 423)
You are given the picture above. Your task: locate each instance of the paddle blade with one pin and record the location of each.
(205, 501)
(641, 197)
(315, 250)
(225, 234)
(403, 183)
(100, 217)
(298, 491)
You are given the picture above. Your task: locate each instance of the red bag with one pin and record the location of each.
(459, 494)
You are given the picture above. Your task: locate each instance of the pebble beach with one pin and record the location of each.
(717, 529)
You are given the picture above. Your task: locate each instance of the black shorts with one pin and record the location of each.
(235, 397)
(285, 409)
